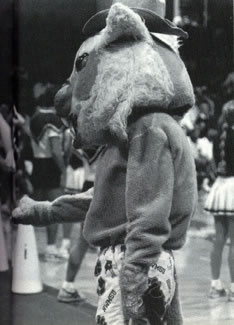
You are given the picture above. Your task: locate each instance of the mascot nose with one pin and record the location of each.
(62, 101)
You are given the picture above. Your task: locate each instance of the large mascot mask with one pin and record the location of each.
(117, 71)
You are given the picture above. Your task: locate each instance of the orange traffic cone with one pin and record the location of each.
(26, 268)
(3, 251)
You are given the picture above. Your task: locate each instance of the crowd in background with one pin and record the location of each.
(37, 159)
(201, 125)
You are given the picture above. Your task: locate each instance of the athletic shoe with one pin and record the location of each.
(52, 258)
(64, 250)
(68, 296)
(216, 293)
(231, 296)
(52, 255)
(63, 253)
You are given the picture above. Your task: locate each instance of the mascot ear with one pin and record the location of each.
(124, 22)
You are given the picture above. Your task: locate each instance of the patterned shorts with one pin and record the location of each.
(109, 310)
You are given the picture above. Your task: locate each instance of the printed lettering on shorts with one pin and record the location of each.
(109, 300)
(159, 268)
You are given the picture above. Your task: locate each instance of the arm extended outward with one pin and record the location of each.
(66, 208)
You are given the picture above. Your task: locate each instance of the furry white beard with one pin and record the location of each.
(129, 76)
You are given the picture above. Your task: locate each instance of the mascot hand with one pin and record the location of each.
(30, 212)
(133, 283)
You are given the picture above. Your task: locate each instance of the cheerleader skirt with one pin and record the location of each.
(220, 200)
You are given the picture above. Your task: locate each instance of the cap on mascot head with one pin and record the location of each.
(123, 69)
(151, 11)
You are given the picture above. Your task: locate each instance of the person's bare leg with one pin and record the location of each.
(68, 292)
(221, 232)
(65, 244)
(67, 227)
(76, 257)
(231, 257)
(52, 230)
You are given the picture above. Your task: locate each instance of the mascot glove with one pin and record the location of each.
(30, 212)
(133, 284)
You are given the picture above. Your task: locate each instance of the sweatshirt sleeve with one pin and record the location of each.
(71, 208)
(150, 184)
(65, 209)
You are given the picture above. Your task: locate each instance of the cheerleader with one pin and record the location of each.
(220, 202)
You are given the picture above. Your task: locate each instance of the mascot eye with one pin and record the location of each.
(81, 62)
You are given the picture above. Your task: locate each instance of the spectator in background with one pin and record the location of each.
(197, 123)
(7, 160)
(74, 175)
(220, 202)
(50, 158)
(7, 171)
(228, 86)
(23, 154)
(68, 293)
(201, 142)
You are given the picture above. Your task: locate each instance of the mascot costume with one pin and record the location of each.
(127, 92)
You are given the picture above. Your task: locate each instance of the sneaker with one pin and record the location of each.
(231, 296)
(216, 293)
(67, 296)
(52, 255)
(63, 253)
(52, 258)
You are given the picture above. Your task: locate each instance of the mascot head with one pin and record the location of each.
(120, 69)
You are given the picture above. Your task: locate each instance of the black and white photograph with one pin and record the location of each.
(116, 162)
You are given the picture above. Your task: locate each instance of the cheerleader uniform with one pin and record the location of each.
(220, 200)
(44, 125)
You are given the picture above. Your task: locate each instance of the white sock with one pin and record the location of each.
(51, 249)
(232, 287)
(217, 284)
(65, 243)
(68, 286)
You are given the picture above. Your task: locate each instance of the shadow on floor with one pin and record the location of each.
(41, 308)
